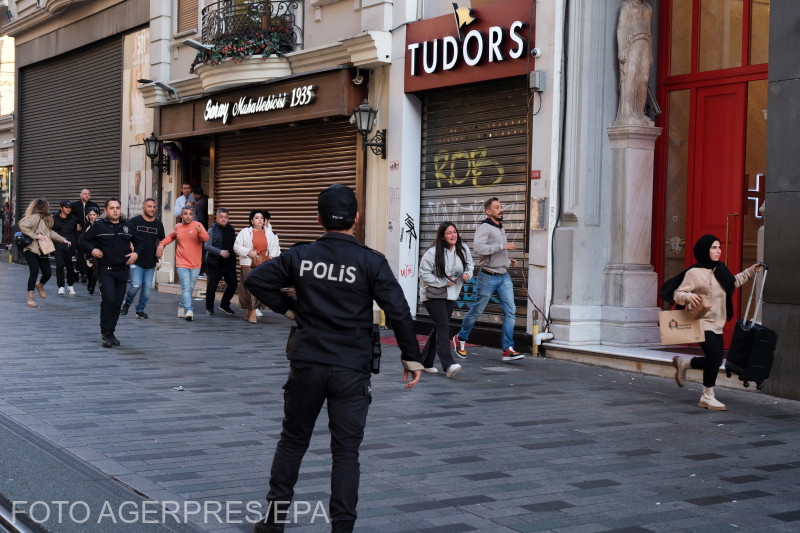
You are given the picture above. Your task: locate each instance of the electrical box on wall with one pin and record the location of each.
(536, 81)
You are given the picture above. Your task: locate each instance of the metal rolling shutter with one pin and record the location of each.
(283, 170)
(70, 125)
(187, 15)
(475, 147)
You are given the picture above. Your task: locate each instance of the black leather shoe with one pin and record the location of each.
(114, 340)
(227, 310)
(107, 342)
(124, 309)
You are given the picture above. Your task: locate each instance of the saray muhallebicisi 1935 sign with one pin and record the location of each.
(218, 110)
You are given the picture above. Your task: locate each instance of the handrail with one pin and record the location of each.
(227, 19)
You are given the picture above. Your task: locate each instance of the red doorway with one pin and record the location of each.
(712, 155)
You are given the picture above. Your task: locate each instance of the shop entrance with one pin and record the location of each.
(711, 169)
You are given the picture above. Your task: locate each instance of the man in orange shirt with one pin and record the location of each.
(188, 256)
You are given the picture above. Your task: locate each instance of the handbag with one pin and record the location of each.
(21, 240)
(435, 293)
(698, 312)
(678, 327)
(260, 259)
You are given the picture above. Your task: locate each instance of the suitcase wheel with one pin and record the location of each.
(728, 374)
(760, 385)
(746, 383)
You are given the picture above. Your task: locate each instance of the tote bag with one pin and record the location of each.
(678, 327)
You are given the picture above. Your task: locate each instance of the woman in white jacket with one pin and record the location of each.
(254, 244)
(442, 271)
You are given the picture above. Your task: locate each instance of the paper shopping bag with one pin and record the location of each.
(677, 327)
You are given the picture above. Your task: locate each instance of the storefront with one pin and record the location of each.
(273, 146)
(711, 166)
(471, 74)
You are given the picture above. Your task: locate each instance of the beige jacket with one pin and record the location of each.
(34, 225)
(701, 281)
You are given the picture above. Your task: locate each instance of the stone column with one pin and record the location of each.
(630, 315)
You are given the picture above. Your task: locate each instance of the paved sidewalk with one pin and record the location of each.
(537, 445)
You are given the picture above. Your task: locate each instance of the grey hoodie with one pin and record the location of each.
(488, 247)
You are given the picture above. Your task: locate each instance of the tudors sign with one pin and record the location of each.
(300, 96)
(470, 45)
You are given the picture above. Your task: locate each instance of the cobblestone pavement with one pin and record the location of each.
(537, 445)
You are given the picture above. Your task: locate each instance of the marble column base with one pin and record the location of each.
(630, 326)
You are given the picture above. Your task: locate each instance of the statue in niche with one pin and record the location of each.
(635, 53)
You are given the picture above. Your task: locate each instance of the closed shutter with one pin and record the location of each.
(283, 170)
(187, 15)
(475, 147)
(70, 125)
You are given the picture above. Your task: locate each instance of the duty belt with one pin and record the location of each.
(114, 268)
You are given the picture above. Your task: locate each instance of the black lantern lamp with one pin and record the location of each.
(364, 116)
(154, 150)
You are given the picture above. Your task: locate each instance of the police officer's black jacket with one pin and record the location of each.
(114, 240)
(67, 228)
(336, 279)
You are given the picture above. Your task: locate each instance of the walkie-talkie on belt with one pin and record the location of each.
(376, 349)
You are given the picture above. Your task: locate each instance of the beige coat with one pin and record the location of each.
(34, 225)
(702, 281)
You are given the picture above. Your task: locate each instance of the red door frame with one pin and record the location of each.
(691, 81)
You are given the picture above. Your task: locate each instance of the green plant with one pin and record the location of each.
(275, 40)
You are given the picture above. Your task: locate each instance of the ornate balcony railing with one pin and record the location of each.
(280, 20)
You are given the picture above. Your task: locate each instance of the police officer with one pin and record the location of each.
(336, 279)
(109, 240)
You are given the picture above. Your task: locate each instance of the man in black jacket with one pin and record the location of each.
(331, 352)
(67, 226)
(147, 232)
(109, 242)
(220, 262)
(80, 210)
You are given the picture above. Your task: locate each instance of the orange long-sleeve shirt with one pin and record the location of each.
(189, 250)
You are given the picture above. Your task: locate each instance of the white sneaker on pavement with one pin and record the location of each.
(61, 291)
(181, 312)
(189, 316)
(259, 313)
(70, 289)
(452, 370)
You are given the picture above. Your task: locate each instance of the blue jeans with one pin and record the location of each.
(188, 277)
(486, 286)
(141, 278)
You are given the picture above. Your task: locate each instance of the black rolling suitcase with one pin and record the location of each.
(753, 345)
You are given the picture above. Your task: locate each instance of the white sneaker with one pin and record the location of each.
(431, 370)
(259, 313)
(181, 312)
(70, 289)
(61, 291)
(189, 316)
(452, 370)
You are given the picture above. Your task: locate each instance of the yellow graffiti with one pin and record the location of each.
(447, 169)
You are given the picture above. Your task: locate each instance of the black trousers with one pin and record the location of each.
(438, 342)
(64, 261)
(216, 273)
(348, 393)
(710, 363)
(113, 285)
(36, 264)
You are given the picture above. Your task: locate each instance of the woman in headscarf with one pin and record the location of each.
(709, 279)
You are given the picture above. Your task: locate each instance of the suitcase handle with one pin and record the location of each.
(747, 324)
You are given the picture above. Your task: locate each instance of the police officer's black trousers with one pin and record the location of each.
(113, 285)
(215, 273)
(64, 261)
(348, 395)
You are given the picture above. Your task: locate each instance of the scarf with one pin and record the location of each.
(726, 279)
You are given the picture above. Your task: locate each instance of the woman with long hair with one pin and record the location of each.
(443, 269)
(254, 244)
(708, 279)
(37, 223)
